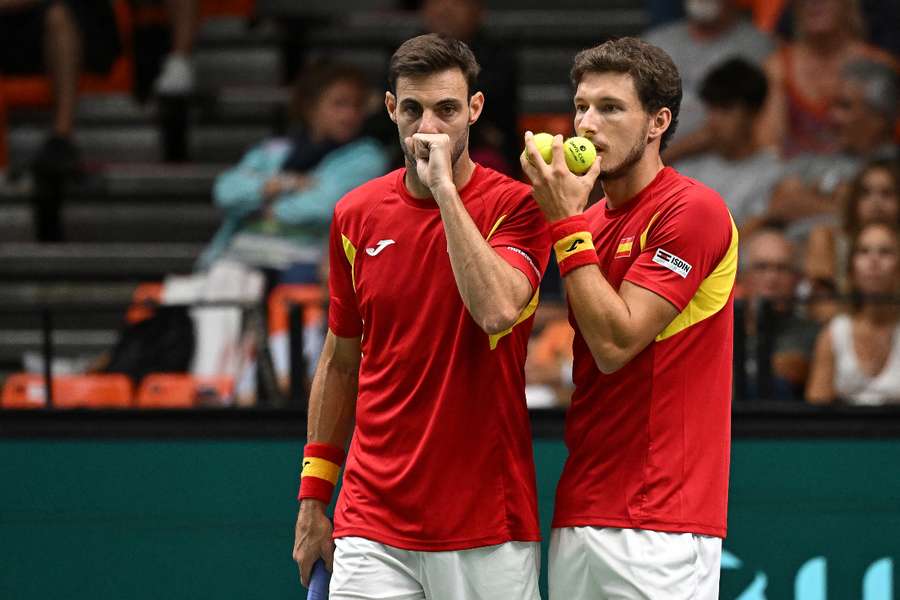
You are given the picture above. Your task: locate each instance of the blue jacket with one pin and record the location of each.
(303, 216)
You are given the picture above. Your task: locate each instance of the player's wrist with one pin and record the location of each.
(320, 472)
(573, 243)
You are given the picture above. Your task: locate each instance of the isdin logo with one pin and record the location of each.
(811, 581)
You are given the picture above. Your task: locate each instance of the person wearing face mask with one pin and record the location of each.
(711, 32)
(857, 357)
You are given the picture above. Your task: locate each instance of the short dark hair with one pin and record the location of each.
(735, 82)
(315, 78)
(655, 76)
(432, 53)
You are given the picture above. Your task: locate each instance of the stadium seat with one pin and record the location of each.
(310, 295)
(23, 390)
(179, 390)
(26, 390)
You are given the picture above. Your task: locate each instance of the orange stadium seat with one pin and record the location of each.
(23, 390)
(179, 390)
(310, 295)
(27, 390)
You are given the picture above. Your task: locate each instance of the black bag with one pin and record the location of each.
(163, 343)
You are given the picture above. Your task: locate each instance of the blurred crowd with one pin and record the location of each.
(790, 112)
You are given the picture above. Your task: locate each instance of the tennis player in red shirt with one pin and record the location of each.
(434, 273)
(649, 275)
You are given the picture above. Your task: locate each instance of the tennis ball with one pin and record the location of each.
(544, 143)
(580, 154)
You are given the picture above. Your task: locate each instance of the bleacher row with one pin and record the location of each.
(134, 218)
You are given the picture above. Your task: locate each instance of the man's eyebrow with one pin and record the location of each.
(602, 99)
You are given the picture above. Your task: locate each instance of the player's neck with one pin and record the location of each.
(463, 170)
(620, 190)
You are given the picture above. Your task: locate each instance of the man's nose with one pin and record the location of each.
(428, 123)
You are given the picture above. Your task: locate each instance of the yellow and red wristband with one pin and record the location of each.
(574, 245)
(321, 468)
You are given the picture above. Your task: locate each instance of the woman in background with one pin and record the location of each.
(278, 201)
(857, 356)
(873, 197)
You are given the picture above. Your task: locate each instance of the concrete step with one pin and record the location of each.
(123, 144)
(86, 262)
(69, 343)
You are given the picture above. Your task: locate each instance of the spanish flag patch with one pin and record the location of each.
(624, 248)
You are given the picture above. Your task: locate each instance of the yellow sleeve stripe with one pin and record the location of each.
(320, 468)
(647, 231)
(526, 312)
(711, 296)
(573, 244)
(350, 253)
(494, 228)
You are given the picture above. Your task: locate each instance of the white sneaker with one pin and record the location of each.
(176, 77)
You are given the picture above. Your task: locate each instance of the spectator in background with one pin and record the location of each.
(495, 139)
(713, 31)
(874, 197)
(61, 38)
(736, 166)
(770, 274)
(177, 75)
(805, 75)
(278, 201)
(548, 366)
(857, 357)
(864, 112)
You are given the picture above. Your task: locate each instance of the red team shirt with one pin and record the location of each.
(441, 456)
(649, 444)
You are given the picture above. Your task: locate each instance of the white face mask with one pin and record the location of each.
(703, 11)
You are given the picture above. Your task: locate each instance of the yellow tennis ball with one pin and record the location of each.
(580, 154)
(544, 143)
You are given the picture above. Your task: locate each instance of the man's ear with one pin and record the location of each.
(390, 103)
(660, 123)
(476, 104)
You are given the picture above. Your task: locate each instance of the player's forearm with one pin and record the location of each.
(332, 400)
(493, 291)
(603, 318)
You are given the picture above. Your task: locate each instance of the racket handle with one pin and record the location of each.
(318, 582)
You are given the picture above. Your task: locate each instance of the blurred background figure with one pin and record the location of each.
(711, 32)
(857, 357)
(61, 38)
(864, 111)
(548, 367)
(770, 274)
(735, 165)
(177, 75)
(495, 141)
(805, 74)
(873, 197)
(278, 201)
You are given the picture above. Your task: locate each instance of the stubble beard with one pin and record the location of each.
(632, 158)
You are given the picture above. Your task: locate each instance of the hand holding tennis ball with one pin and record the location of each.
(544, 143)
(579, 152)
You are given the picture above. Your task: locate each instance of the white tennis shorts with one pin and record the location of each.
(591, 563)
(367, 569)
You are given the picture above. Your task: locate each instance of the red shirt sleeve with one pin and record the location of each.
(523, 240)
(344, 319)
(684, 244)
